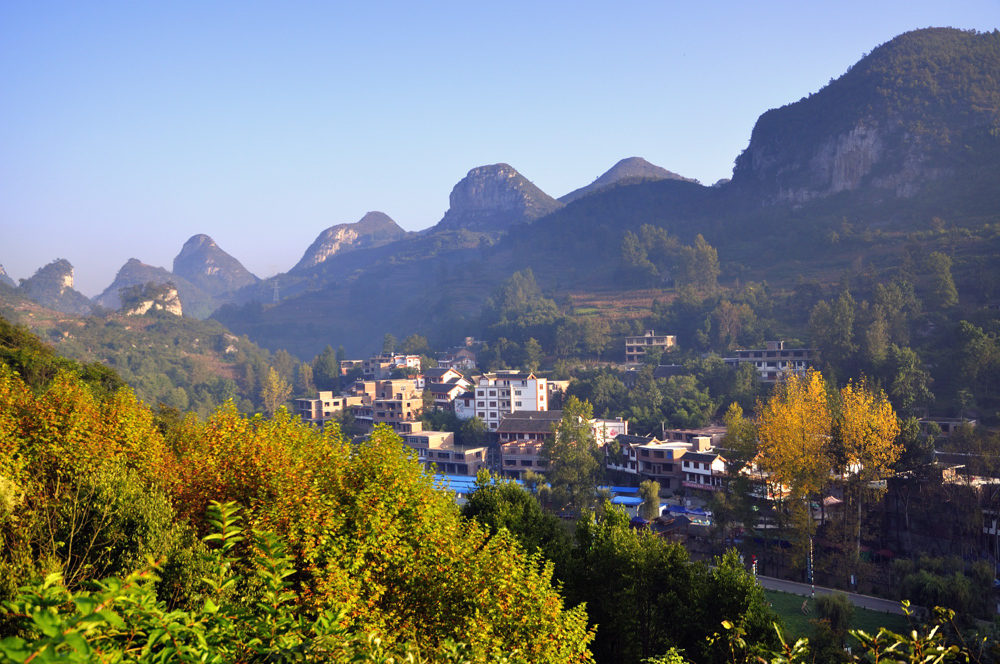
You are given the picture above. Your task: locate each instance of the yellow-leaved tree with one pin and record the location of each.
(866, 432)
(794, 428)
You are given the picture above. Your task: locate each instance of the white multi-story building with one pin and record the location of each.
(507, 391)
(774, 360)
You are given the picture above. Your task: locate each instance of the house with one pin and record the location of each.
(437, 450)
(507, 391)
(774, 360)
(521, 435)
(445, 394)
(380, 367)
(714, 433)
(324, 407)
(636, 347)
(703, 470)
(660, 461)
(397, 403)
(522, 425)
(464, 405)
(446, 375)
(605, 430)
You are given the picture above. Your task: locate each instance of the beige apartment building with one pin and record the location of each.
(636, 347)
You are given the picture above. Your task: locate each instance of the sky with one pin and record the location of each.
(128, 127)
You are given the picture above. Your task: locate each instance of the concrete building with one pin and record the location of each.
(325, 406)
(507, 391)
(380, 367)
(774, 360)
(436, 450)
(636, 347)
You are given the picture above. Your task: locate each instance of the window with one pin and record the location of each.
(481, 415)
(517, 393)
(526, 463)
(517, 403)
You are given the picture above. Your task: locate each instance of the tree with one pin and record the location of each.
(416, 345)
(831, 326)
(635, 267)
(571, 457)
(388, 344)
(503, 504)
(284, 364)
(865, 432)
(274, 392)
(473, 432)
(794, 428)
(326, 371)
(304, 384)
(941, 292)
(649, 491)
(532, 355)
(909, 383)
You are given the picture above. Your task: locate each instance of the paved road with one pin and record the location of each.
(804, 589)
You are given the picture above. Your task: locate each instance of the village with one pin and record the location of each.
(516, 411)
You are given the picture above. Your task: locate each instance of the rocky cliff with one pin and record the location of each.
(52, 287)
(211, 269)
(918, 110)
(491, 198)
(5, 278)
(372, 230)
(196, 302)
(140, 299)
(633, 168)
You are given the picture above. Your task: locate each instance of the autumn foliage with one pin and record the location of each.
(368, 533)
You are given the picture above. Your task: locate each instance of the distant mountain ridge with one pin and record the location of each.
(630, 168)
(196, 302)
(372, 230)
(919, 109)
(211, 269)
(494, 197)
(52, 287)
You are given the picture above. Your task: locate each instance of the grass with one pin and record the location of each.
(797, 624)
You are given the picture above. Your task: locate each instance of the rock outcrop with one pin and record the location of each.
(5, 278)
(140, 299)
(211, 269)
(196, 302)
(915, 111)
(52, 287)
(491, 198)
(372, 230)
(633, 168)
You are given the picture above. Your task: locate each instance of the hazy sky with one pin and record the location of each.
(127, 127)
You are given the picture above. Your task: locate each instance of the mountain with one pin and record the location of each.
(195, 301)
(5, 278)
(208, 267)
(920, 110)
(492, 198)
(142, 298)
(632, 168)
(52, 287)
(372, 230)
(905, 144)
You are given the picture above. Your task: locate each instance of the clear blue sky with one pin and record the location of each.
(127, 127)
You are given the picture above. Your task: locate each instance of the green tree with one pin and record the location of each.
(649, 491)
(831, 327)
(388, 344)
(571, 457)
(503, 504)
(416, 345)
(326, 371)
(532, 355)
(941, 292)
